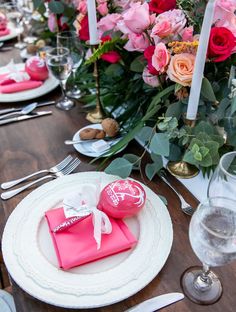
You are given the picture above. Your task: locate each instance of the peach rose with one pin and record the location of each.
(160, 58)
(181, 68)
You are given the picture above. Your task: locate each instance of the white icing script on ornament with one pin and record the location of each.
(116, 197)
(39, 61)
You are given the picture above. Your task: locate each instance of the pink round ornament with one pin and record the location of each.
(122, 198)
(36, 67)
(3, 21)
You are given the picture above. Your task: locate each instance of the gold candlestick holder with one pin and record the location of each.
(182, 169)
(97, 115)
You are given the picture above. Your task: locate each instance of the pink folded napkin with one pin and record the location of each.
(4, 32)
(76, 245)
(5, 79)
(20, 86)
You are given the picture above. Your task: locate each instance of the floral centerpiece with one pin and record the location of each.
(147, 55)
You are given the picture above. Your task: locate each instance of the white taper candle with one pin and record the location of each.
(92, 19)
(200, 61)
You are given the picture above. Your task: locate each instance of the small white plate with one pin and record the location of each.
(6, 302)
(13, 33)
(25, 55)
(48, 85)
(31, 260)
(86, 148)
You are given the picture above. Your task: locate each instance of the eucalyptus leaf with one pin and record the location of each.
(174, 110)
(160, 144)
(204, 127)
(163, 199)
(120, 167)
(175, 152)
(37, 3)
(233, 106)
(145, 134)
(224, 104)
(56, 7)
(151, 170)
(134, 160)
(207, 91)
(138, 64)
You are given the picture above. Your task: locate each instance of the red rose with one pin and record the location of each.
(160, 6)
(148, 53)
(111, 56)
(63, 26)
(221, 44)
(84, 30)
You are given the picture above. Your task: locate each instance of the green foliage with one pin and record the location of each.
(56, 7)
(207, 90)
(105, 47)
(121, 167)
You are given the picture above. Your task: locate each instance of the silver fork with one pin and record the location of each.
(186, 207)
(71, 167)
(54, 169)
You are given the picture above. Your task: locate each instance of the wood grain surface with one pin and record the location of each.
(35, 144)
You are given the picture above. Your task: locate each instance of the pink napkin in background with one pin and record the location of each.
(4, 32)
(76, 245)
(20, 86)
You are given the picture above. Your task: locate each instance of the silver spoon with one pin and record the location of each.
(25, 110)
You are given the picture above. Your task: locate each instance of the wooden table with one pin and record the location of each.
(31, 145)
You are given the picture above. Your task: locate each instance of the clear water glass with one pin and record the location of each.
(60, 65)
(71, 41)
(223, 180)
(212, 234)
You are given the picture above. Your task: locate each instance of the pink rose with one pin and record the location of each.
(136, 19)
(187, 34)
(102, 7)
(169, 23)
(108, 22)
(125, 4)
(224, 15)
(148, 53)
(82, 6)
(137, 42)
(150, 79)
(160, 58)
(181, 68)
(52, 22)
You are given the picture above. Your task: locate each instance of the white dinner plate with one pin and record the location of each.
(31, 261)
(86, 148)
(13, 33)
(48, 85)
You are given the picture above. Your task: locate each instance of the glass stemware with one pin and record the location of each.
(212, 234)
(60, 64)
(15, 16)
(70, 40)
(223, 181)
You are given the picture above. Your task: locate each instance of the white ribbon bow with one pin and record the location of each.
(84, 203)
(15, 74)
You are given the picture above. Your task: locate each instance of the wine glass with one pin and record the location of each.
(15, 16)
(70, 40)
(223, 180)
(60, 64)
(212, 234)
(27, 9)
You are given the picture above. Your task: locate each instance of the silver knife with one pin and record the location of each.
(10, 110)
(156, 303)
(24, 117)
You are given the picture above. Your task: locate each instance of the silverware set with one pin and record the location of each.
(10, 115)
(65, 167)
